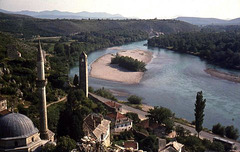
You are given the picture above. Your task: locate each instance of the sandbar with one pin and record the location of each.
(102, 69)
(223, 75)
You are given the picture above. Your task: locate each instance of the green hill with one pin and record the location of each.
(26, 26)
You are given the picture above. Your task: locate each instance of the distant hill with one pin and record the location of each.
(209, 21)
(27, 26)
(55, 14)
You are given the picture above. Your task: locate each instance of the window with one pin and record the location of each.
(32, 139)
(16, 143)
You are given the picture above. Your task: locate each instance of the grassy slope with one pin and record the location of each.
(29, 26)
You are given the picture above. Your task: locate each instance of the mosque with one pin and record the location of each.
(17, 131)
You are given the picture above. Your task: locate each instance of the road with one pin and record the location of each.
(60, 100)
(142, 116)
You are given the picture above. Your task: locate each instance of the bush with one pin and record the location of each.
(129, 63)
(133, 116)
(133, 99)
(231, 132)
(65, 144)
(218, 129)
(105, 93)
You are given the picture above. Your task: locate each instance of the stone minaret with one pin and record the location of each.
(83, 73)
(41, 85)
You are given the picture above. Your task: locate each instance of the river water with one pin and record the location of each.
(172, 80)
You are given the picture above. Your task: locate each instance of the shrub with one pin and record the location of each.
(133, 99)
(129, 63)
(231, 132)
(218, 129)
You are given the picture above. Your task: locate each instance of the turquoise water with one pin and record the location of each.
(173, 80)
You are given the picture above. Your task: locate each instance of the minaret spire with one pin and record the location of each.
(83, 73)
(41, 84)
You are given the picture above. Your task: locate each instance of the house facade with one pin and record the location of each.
(98, 128)
(120, 122)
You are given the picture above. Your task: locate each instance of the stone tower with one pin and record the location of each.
(45, 134)
(83, 73)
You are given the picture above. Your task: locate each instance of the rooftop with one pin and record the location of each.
(15, 126)
(113, 104)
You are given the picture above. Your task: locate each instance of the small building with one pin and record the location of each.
(131, 144)
(98, 128)
(170, 147)
(18, 134)
(114, 106)
(120, 122)
(3, 104)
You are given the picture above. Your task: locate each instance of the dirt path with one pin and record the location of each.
(60, 100)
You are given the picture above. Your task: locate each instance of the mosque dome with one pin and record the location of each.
(15, 125)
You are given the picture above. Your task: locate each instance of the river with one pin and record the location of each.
(172, 80)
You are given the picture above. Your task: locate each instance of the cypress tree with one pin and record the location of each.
(75, 80)
(199, 112)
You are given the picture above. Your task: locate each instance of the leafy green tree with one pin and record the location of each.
(59, 49)
(105, 93)
(217, 146)
(129, 63)
(133, 99)
(77, 108)
(133, 116)
(199, 112)
(192, 143)
(169, 124)
(48, 148)
(65, 144)
(231, 132)
(149, 144)
(180, 131)
(159, 114)
(218, 129)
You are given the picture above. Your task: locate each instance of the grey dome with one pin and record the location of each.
(15, 125)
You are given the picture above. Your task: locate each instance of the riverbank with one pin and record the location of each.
(102, 69)
(223, 75)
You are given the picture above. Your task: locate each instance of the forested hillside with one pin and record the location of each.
(222, 48)
(26, 26)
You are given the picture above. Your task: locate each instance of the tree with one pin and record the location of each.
(217, 146)
(149, 144)
(133, 116)
(159, 114)
(48, 148)
(168, 125)
(199, 112)
(75, 80)
(133, 99)
(77, 108)
(65, 144)
(231, 132)
(218, 129)
(180, 131)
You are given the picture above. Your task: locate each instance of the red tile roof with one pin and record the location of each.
(131, 144)
(116, 116)
(113, 104)
(4, 112)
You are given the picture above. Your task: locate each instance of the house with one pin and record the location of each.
(3, 107)
(3, 104)
(120, 122)
(114, 106)
(170, 147)
(98, 128)
(131, 144)
(111, 106)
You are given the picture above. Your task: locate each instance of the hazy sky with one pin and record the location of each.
(224, 9)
